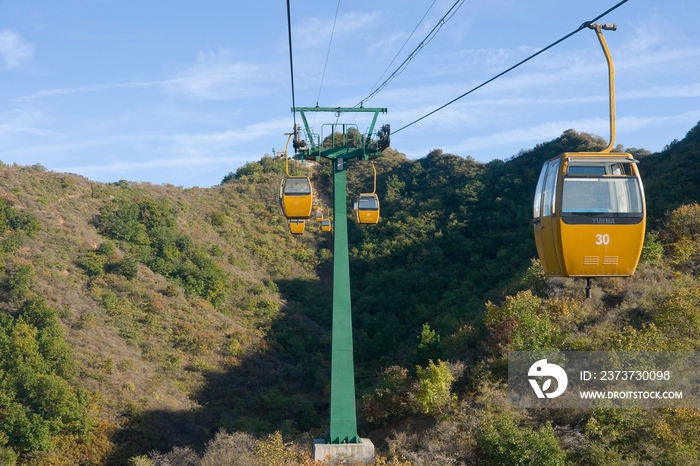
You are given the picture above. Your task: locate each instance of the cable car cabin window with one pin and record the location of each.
(550, 187)
(602, 199)
(615, 168)
(537, 205)
(297, 187)
(574, 170)
(367, 203)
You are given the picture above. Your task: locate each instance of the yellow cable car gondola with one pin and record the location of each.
(296, 194)
(366, 205)
(326, 225)
(296, 226)
(319, 217)
(589, 212)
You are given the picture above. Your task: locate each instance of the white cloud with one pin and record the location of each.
(17, 121)
(14, 49)
(212, 142)
(204, 146)
(542, 132)
(317, 31)
(166, 163)
(681, 90)
(631, 124)
(215, 76)
(88, 88)
(552, 129)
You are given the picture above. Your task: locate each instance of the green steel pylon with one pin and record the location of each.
(343, 417)
(348, 145)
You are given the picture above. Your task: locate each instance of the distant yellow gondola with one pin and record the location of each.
(366, 208)
(296, 197)
(296, 227)
(326, 225)
(296, 194)
(319, 217)
(366, 205)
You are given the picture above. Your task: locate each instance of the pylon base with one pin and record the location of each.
(335, 453)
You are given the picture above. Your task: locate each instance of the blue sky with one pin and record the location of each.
(184, 92)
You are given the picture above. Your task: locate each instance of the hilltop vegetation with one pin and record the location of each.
(161, 325)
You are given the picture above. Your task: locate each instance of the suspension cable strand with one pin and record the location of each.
(580, 28)
(433, 32)
(291, 66)
(402, 47)
(328, 53)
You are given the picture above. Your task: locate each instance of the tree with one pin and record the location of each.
(434, 395)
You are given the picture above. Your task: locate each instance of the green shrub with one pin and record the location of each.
(13, 219)
(676, 316)
(434, 394)
(128, 267)
(522, 323)
(8, 457)
(19, 280)
(92, 264)
(391, 400)
(429, 347)
(652, 250)
(682, 234)
(149, 230)
(217, 218)
(106, 248)
(37, 401)
(251, 171)
(534, 278)
(502, 442)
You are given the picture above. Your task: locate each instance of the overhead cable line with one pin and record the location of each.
(328, 53)
(404, 45)
(581, 27)
(291, 62)
(433, 32)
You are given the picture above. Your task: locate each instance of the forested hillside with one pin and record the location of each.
(152, 324)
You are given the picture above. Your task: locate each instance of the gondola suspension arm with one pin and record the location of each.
(611, 76)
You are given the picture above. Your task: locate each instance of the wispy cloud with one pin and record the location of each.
(14, 49)
(18, 121)
(88, 88)
(204, 145)
(553, 129)
(317, 31)
(211, 142)
(119, 168)
(529, 134)
(214, 76)
(662, 92)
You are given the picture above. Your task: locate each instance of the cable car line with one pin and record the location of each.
(580, 28)
(291, 62)
(433, 32)
(328, 53)
(404, 45)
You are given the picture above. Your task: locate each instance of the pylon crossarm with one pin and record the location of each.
(314, 147)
